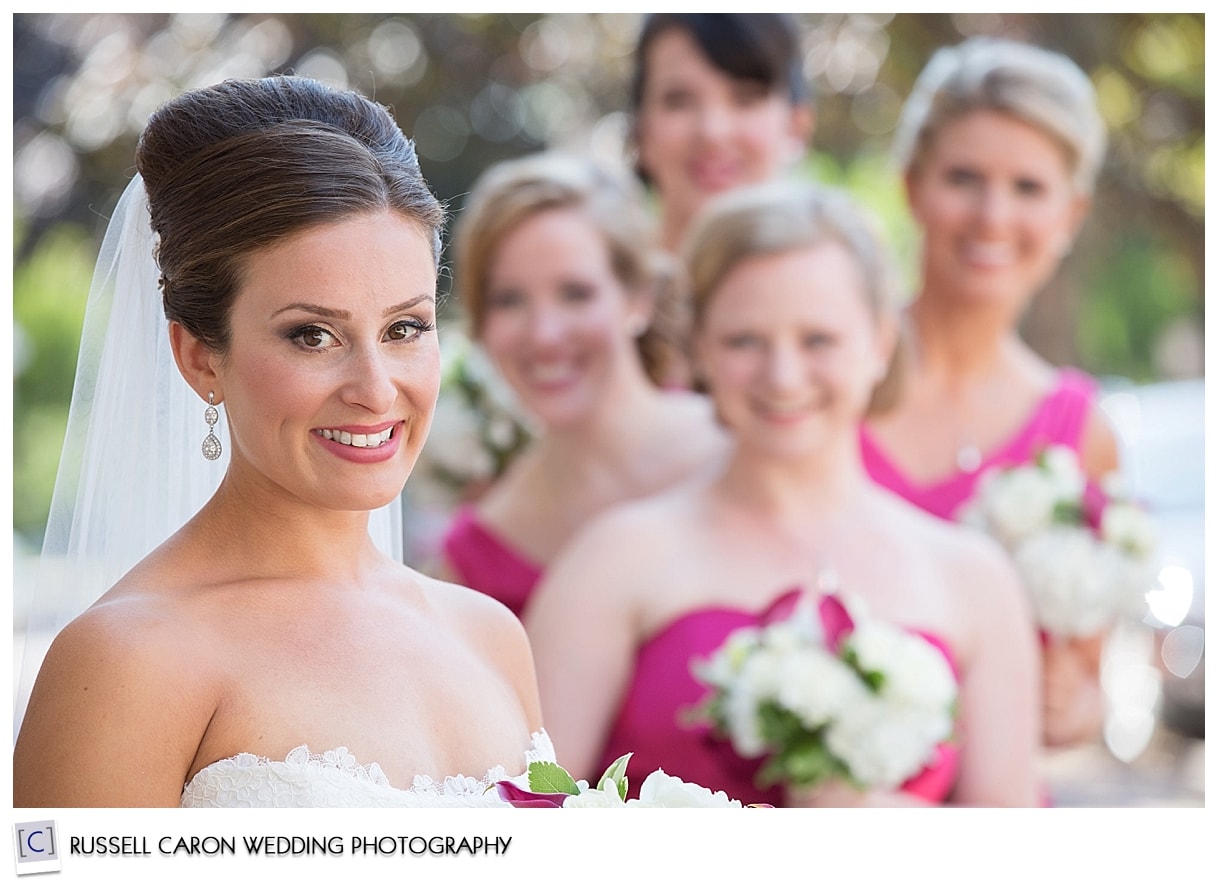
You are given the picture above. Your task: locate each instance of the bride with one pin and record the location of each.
(268, 652)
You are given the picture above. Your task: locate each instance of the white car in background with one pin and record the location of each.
(1162, 431)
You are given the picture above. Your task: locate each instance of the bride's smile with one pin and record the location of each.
(360, 445)
(354, 437)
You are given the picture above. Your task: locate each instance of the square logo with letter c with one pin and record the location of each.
(36, 847)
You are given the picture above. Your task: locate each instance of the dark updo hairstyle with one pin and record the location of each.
(239, 166)
(762, 47)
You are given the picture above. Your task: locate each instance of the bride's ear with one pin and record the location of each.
(196, 362)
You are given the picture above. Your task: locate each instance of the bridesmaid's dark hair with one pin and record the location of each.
(234, 168)
(761, 47)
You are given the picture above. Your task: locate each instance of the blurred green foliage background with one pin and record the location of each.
(475, 88)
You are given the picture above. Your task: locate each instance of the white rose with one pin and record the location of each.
(1069, 583)
(661, 790)
(877, 645)
(1062, 465)
(723, 667)
(1021, 503)
(1130, 527)
(816, 686)
(758, 679)
(607, 796)
(760, 675)
(915, 673)
(743, 726)
(883, 745)
(782, 637)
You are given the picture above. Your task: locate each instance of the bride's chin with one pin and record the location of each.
(362, 500)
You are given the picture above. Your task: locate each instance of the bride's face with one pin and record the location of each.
(333, 369)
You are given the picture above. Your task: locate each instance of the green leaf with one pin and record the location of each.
(547, 777)
(800, 756)
(617, 774)
(1067, 512)
(873, 680)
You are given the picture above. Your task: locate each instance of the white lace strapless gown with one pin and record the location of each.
(336, 779)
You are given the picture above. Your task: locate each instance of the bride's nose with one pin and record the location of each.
(369, 381)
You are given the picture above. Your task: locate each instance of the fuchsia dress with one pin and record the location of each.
(482, 561)
(1058, 419)
(653, 719)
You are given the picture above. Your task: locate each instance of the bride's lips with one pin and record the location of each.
(361, 444)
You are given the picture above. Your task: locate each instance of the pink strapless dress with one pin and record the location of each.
(484, 562)
(653, 723)
(1058, 419)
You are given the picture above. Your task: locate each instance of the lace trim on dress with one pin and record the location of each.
(335, 778)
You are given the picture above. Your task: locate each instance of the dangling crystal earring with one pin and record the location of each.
(211, 444)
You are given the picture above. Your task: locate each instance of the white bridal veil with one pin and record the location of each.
(132, 470)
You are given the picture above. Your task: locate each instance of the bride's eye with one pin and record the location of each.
(312, 337)
(405, 331)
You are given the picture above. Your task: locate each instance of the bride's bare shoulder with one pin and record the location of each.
(119, 688)
(134, 636)
(479, 616)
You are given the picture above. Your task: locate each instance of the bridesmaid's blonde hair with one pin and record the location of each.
(1037, 86)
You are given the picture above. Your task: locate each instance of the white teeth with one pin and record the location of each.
(376, 439)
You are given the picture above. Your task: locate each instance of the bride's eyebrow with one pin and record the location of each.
(327, 312)
(323, 311)
(409, 304)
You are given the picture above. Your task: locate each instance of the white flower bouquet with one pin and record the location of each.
(551, 786)
(825, 695)
(1085, 552)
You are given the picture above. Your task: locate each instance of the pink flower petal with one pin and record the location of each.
(1094, 500)
(782, 608)
(521, 798)
(835, 620)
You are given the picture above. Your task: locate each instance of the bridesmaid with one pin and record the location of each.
(1001, 143)
(564, 286)
(792, 332)
(717, 100)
